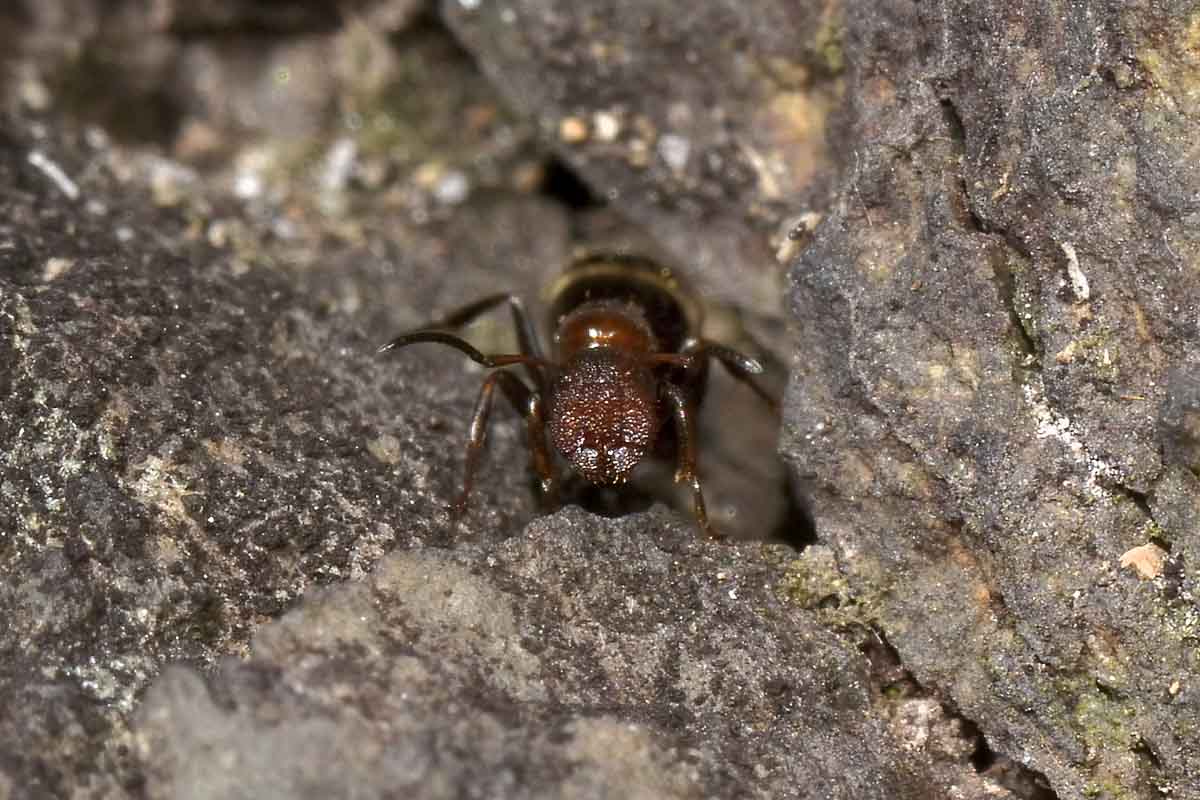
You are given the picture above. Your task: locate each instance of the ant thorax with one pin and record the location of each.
(604, 323)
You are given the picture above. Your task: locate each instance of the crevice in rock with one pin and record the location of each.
(1151, 768)
(890, 677)
(1139, 499)
(561, 184)
(1146, 752)
(1005, 281)
(1006, 290)
(1023, 782)
(957, 131)
(796, 528)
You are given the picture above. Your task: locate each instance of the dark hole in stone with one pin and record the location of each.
(607, 501)
(137, 111)
(796, 528)
(1143, 749)
(1022, 781)
(561, 184)
(983, 758)
(889, 673)
(1025, 783)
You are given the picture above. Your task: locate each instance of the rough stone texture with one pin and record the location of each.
(1179, 422)
(190, 449)
(578, 659)
(706, 126)
(992, 399)
(989, 316)
(195, 431)
(187, 449)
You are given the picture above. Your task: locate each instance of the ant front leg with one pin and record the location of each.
(742, 367)
(529, 405)
(543, 460)
(527, 337)
(526, 334)
(685, 471)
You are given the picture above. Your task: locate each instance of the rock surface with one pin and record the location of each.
(705, 126)
(187, 449)
(581, 658)
(992, 312)
(988, 210)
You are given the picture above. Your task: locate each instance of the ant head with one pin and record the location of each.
(604, 413)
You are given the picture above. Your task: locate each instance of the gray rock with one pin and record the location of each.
(1179, 419)
(582, 658)
(704, 125)
(188, 449)
(990, 406)
(989, 316)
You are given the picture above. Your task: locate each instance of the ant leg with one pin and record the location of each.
(464, 347)
(527, 337)
(478, 435)
(543, 461)
(740, 366)
(526, 403)
(685, 472)
(529, 405)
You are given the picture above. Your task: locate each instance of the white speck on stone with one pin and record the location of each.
(55, 173)
(452, 188)
(339, 164)
(1079, 281)
(96, 138)
(247, 185)
(469, 5)
(674, 150)
(606, 125)
(1053, 425)
(55, 268)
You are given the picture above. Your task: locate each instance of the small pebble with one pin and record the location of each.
(674, 151)
(572, 130)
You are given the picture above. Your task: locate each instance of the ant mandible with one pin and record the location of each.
(628, 360)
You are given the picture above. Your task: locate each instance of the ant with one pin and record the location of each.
(628, 361)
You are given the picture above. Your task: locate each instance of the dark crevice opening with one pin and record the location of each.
(101, 87)
(889, 674)
(958, 133)
(983, 758)
(1025, 783)
(1145, 751)
(1139, 499)
(1004, 279)
(1006, 288)
(276, 20)
(797, 529)
(561, 184)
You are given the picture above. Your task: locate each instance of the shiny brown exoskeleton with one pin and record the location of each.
(628, 362)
